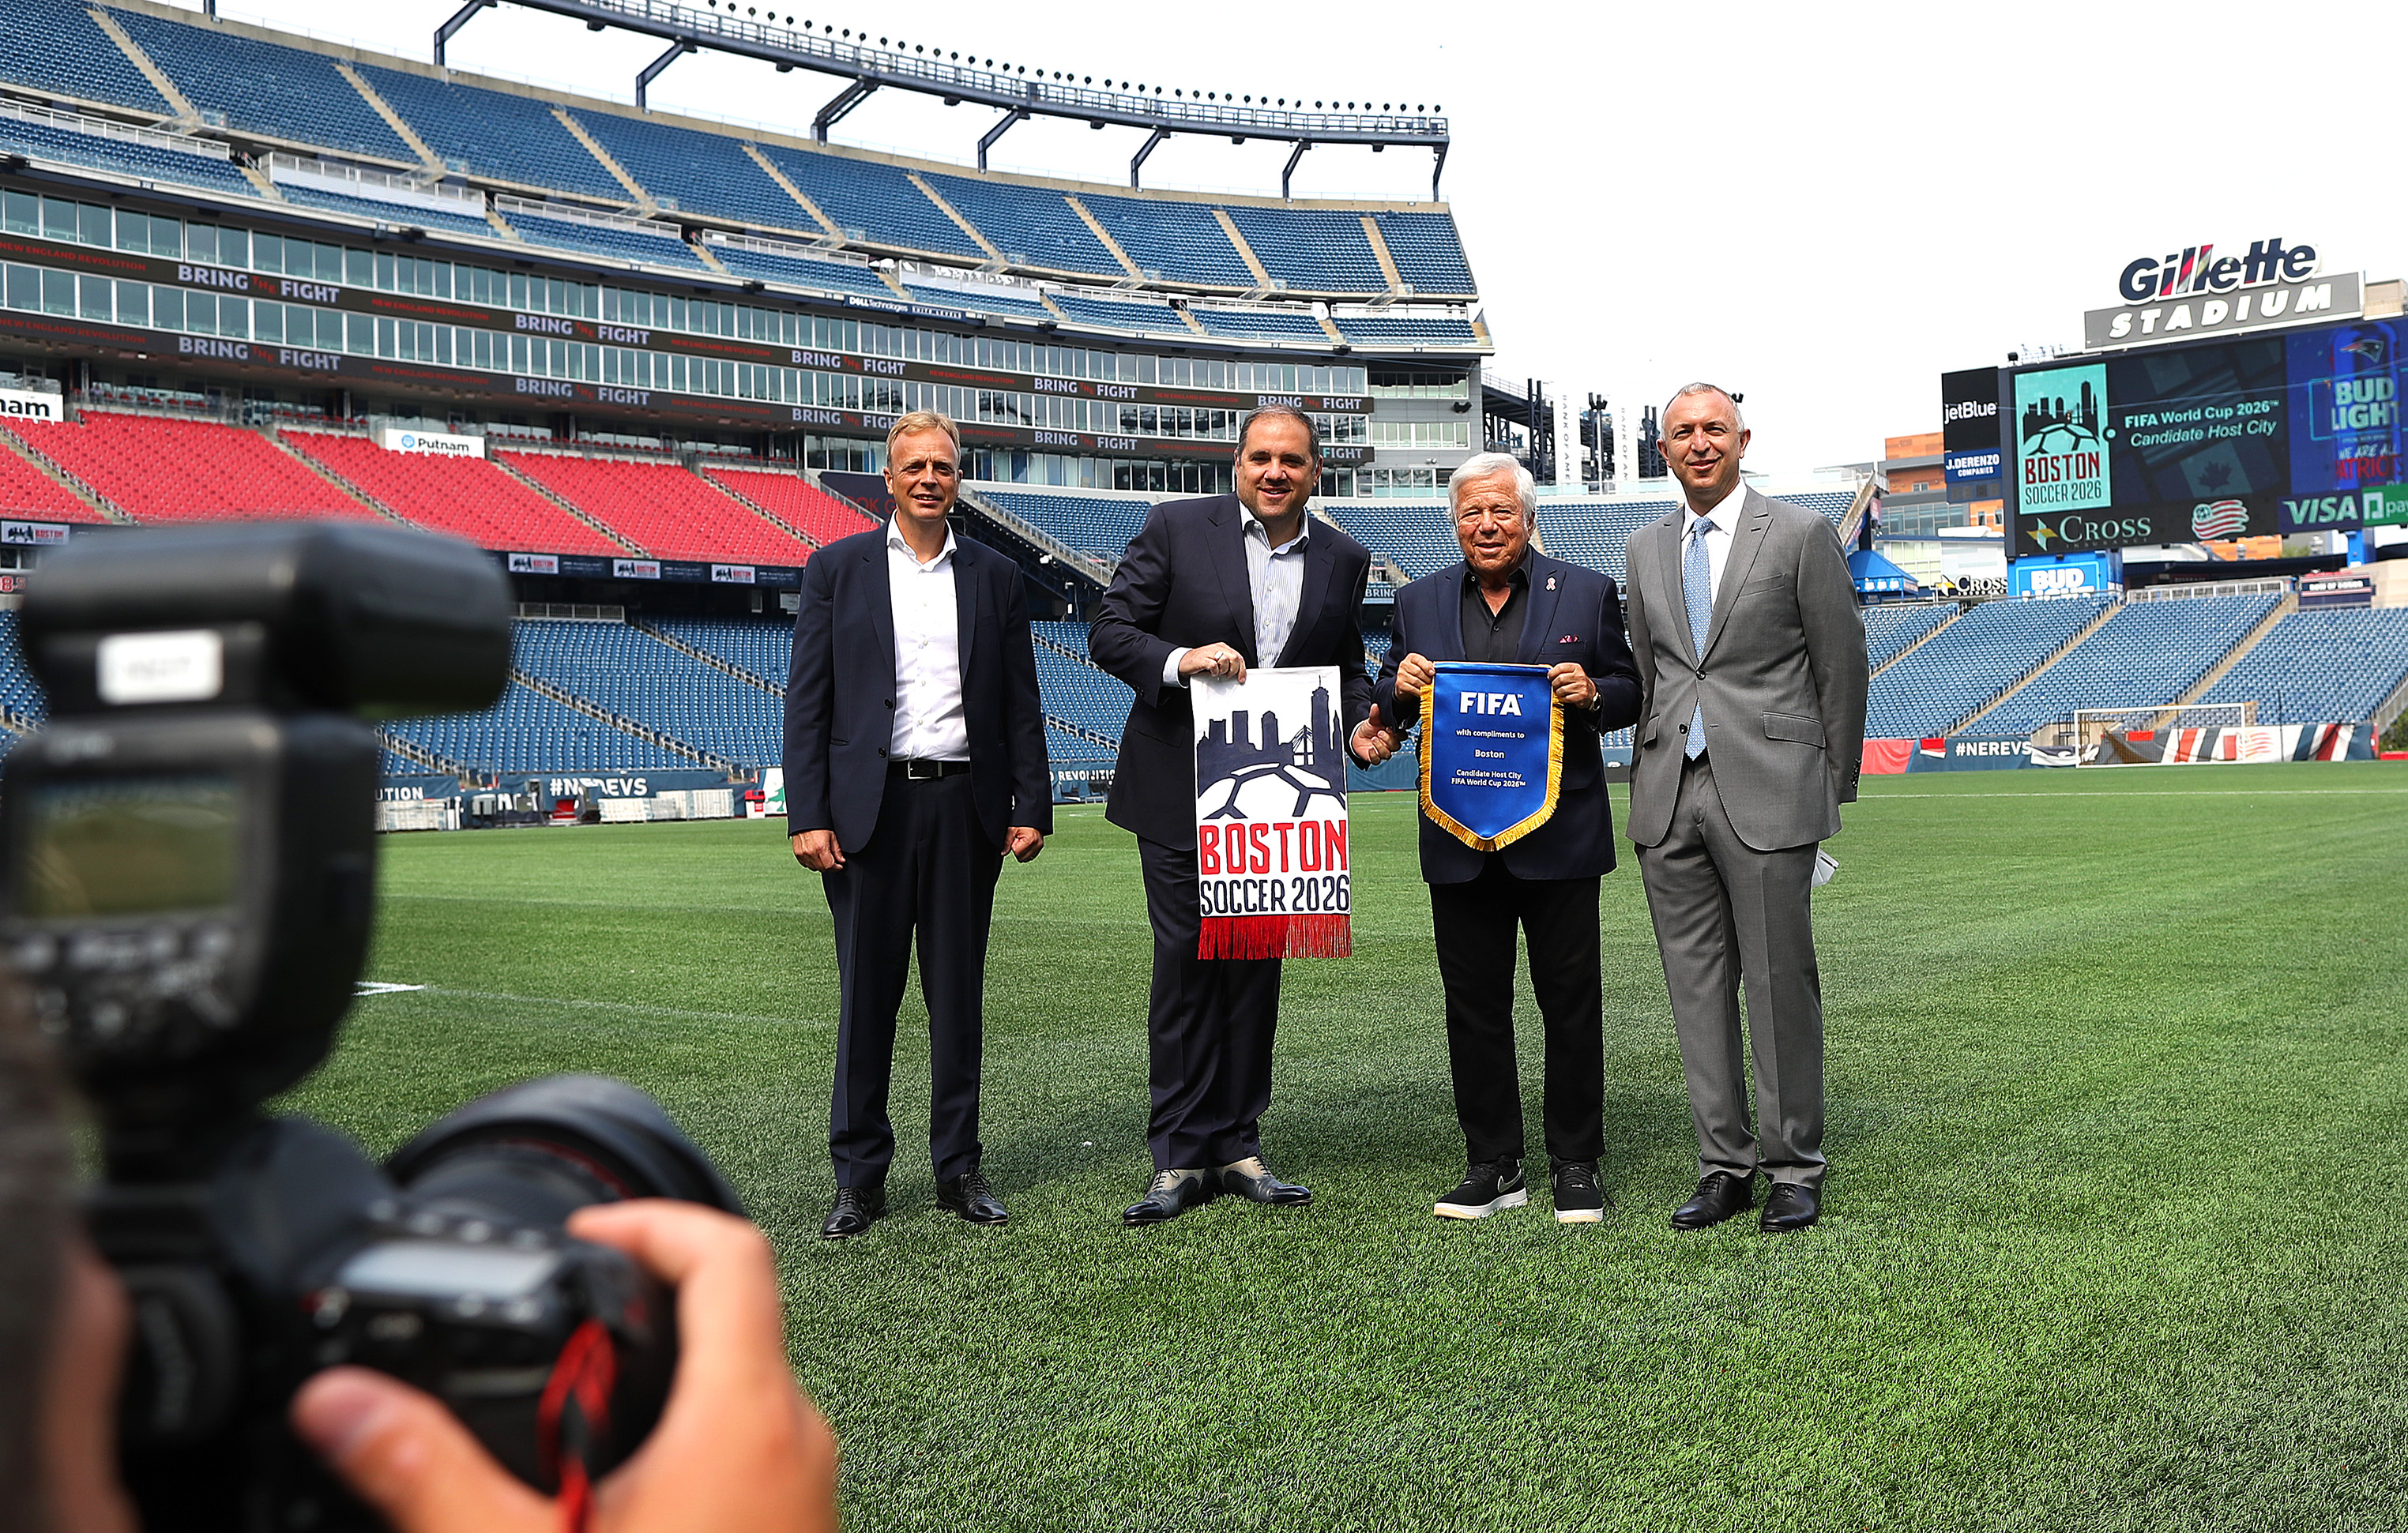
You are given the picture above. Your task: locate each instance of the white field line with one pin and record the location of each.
(2149, 793)
(636, 1007)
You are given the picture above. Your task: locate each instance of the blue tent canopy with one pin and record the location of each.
(1876, 576)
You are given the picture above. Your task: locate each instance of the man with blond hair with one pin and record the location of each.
(916, 759)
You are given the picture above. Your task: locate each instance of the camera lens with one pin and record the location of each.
(534, 1154)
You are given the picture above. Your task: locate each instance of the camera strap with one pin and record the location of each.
(573, 1419)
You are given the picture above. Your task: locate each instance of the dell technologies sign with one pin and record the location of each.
(2190, 292)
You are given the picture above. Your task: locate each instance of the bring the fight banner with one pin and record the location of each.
(1270, 816)
(1492, 753)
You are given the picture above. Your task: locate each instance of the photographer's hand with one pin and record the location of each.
(738, 1448)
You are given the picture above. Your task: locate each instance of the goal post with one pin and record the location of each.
(2154, 734)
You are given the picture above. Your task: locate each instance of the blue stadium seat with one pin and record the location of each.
(2147, 652)
(1417, 533)
(1427, 251)
(401, 215)
(265, 88)
(1970, 662)
(1182, 240)
(494, 133)
(1074, 690)
(1034, 226)
(764, 646)
(1259, 325)
(1889, 629)
(528, 732)
(638, 677)
(1594, 533)
(1141, 316)
(2321, 667)
(701, 172)
(618, 244)
(19, 693)
(1312, 249)
(44, 140)
(57, 48)
(1090, 523)
(800, 271)
(1383, 331)
(876, 198)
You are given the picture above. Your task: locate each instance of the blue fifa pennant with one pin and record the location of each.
(1492, 753)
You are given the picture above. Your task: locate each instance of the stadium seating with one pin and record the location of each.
(981, 300)
(1416, 534)
(160, 468)
(701, 172)
(638, 677)
(528, 732)
(794, 500)
(467, 497)
(1369, 330)
(765, 648)
(1256, 325)
(1312, 250)
(616, 241)
(1427, 254)
(1090, 523)
(662, 509)
(1034, 226)
(1971, 661)
(50, 141)
(2320, 667)
(26, 491)
(1182, 240)
(876, 198)
(825, 276)
(494, 133)
(1889, 630)
(265, 88)
(55, 48)
(1073, 690)
(1594, 534)
(19, 693)
(1142, 316)
(2147, 653)
(398, 213)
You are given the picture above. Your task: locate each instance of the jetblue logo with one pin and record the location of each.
(1492, 702)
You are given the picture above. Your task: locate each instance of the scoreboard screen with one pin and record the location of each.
(2253, 436)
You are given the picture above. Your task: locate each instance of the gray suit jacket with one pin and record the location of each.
(1782, 678)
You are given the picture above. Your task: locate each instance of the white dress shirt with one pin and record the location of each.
(928, 722)
(1276, 578)
(1718, 542)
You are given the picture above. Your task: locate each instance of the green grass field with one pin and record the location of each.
(2116, 1236)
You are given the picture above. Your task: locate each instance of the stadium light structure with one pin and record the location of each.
(1017, 94)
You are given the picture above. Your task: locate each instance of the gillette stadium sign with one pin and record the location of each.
(2198, 291)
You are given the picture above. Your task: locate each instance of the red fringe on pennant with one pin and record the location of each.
(1275, 937)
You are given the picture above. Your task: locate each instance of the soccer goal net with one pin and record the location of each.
(2154, 734)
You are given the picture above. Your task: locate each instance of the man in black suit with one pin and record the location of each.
(1212, 586)
(915, 758)
(1508, 604)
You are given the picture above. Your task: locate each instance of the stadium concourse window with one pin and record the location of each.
(1386, 482)
(1421, 433)
(1387, 383)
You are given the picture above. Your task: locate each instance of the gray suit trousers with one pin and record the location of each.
(1725, 911)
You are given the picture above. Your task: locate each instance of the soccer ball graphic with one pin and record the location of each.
(1271, 792)
(2060, 436)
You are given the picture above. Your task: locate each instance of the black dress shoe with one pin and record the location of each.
(856, 1207)
(1791, 1207)
(969, 1196)
(1171, 1193)
(1718, 1197)
(1251, 1180)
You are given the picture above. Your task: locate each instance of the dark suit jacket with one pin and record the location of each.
(1575, 615)
(1184, 583)
(841, 693)
(1781, 676)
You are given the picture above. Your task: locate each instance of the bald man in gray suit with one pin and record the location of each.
(1750, 734)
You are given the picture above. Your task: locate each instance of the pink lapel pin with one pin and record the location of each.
(1551, 582)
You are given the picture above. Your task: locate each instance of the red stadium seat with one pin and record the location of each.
(467, 497)
(26, 491)
(797, 499)
(662, 507)
(159, 468)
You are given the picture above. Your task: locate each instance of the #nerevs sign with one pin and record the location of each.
(1273, 875)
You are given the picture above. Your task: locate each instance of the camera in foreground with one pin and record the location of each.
(187, 861)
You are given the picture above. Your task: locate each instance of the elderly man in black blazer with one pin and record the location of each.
(916, 759)
(1505, 603)
(1212, 586)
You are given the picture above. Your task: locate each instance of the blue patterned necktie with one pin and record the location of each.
(1697, 591)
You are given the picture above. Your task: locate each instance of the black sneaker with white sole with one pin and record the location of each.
(1487, 1187)
(1579, 1200)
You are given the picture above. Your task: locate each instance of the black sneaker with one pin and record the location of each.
(1486, 1188)
(1579, 1200)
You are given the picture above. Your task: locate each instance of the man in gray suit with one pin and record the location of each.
(1750, 734)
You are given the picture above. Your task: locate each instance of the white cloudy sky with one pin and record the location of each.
(1824, 207)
